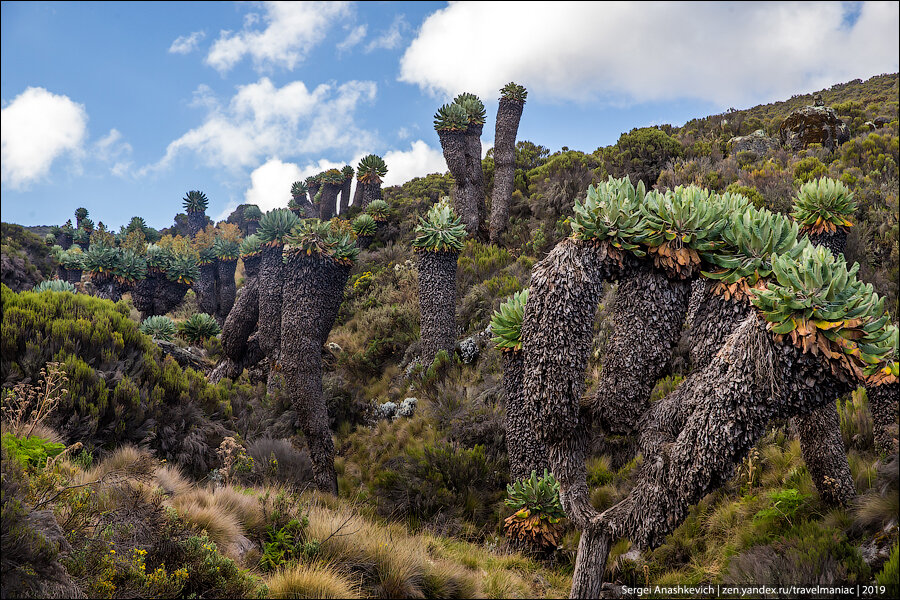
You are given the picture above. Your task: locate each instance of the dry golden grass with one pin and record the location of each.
(172, 481)
(311, 581)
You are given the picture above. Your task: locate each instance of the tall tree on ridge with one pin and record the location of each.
(474, 172)
(509, 113)
(451, 122)
(195, 204)
(344, 204)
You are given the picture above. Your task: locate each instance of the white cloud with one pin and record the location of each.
(291, 30)
(726, 53)
(420, 160)
(111, 148)
(263, 121)
(391, 38)
(185, 44)
(356, 35)
(36, 128)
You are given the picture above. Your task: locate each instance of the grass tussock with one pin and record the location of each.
(310, 581)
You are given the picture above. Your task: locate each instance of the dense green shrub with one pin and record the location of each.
(121, 388)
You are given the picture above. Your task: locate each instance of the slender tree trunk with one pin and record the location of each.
(205, 288)
(330, 193)
(509, 113)
(241, 321)
(271, 278)
(313, 290)
(313, 191)
(526, 452)
(647, 316)
(345, 196)
(196, 222)
(454, 144)
(357, 194)
(883, 401)
(820, 431)
(826, 459)
(475, 177)
(226, 288)
(437, 302)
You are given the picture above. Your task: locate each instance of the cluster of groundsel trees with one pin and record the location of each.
(318, 195)
(459, 125)
(807, 330)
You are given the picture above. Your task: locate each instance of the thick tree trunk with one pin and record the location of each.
(169, 295)
(205, 288)
(62, 273)
(313, 191)
(363, 241)
(883, 401)
(526, 453)
(826, 459)
(437, 302)
(143, 294)
(108, 288)
(509, 113)
(475, 177)
(327, 208)
(366, 193)
(65, 241)
(226, 288)
(345, 196)
(73, 276)
(357, 194)
(313, 291)
(252, 226)
(835, 241)
(647, 316)
(196, 222)
(712, 323)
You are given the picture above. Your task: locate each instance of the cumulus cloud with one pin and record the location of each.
(261, 121)
(726, 53)
(291, 30)
(356, 35)
(36, 128)
(391, 38)
(112, 148)
(420, 160)
(186, 44)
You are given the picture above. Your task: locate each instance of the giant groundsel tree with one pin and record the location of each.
(509, 113)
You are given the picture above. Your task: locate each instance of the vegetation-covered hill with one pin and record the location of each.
(217, 501)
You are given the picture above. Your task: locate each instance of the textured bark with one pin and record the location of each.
(271, 277)
(835, 241)
(647, 316)
(226, 289)
(65, 241)
(712, 323)
(883, 400)
(474, 189)
(357, 194)
(313, 291)
(313, 190)
(205, 288)
(820, 431)
(241, 322)
(509, 113)
(824, 454)
(143, 294)
(109, 288)
(363, 241)
(252, 226)
(344, 204)
(196, 222)
(526, 452)
(73, 276)
(366, 192)
(454, 144)
(437, 302)
(251, 266)
(169, 295)
(62, 273)
(328, 201)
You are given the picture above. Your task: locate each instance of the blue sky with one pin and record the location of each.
(124, 107)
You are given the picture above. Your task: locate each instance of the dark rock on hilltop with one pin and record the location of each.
(813, 125)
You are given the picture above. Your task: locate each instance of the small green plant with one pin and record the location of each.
(275, 225)
(441, 230)
(539, 514)
(365, 224)
(378, 210)
(198, 327)
(514, 92)
(451, 117)
(824, 205)
(284, 545)
(252, 213)
(473, 106)
(506, 323)
(786, 504)
(31, 452)
(890, 574)
(159, 327)
(54, 285)
(370, 169)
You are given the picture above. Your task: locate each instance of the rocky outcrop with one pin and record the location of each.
(813, 125)
(757, 142)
